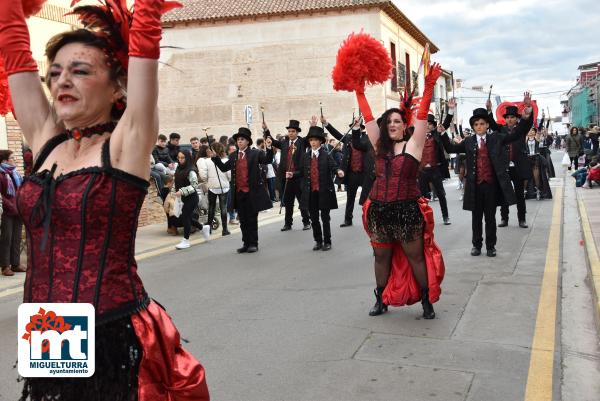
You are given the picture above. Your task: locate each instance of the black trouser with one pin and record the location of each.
(319, 236)
(433, 175)
(574, 161)
(248, 219)
(353, 181)
(518, 184)
(293, 190)
(212, 203)
(190, 203)
(10, 241)
(485, 206)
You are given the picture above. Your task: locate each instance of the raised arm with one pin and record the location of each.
(29, 101)
(451, 147)
(493, 124)
(370, 123)
(138, 127)
(267, 134)
(450, 114)
(267, 156)
(524, 124)
(417, 140)
(331, 129)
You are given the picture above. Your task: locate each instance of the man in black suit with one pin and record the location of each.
(519, 166)
(353, 165)
(250, 195)
(318, 190)
(434, 166)
(487, 181)
(288, 172)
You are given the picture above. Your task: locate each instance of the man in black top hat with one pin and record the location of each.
(288, 172)
(354, 165)
(519, 166)
(487, 181)
(318, 191)
(434, 166)
(249, 194)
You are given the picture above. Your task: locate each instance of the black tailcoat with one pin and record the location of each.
(283, 146)
(327, 168)
(259, 197)
(520, 152)
(496, 143)
(363, 143)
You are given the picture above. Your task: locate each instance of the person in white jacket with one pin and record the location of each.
(218, 184)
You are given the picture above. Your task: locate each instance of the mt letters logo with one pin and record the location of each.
(56, 340)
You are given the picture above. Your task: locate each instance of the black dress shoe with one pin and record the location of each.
(475, 251)
(327, 247)
(252, 249)
(243, 249)
(447, 221)
(379, 307)
(503, 223)
(428, 312)
(225, 232)
(317, 246)
(523, 224)
(286, 228)
(346, 224)
(306, 227)
(491, 252)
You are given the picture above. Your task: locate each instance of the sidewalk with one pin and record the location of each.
(153, 240)
(589, 212)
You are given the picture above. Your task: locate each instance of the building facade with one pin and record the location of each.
(583, 104)
(221, 57)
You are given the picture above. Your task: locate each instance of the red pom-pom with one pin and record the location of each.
(361, 60)
(5, 102)
(32, 7)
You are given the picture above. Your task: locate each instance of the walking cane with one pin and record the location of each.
(345, 135)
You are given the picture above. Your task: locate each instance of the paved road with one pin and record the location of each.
(291, 324)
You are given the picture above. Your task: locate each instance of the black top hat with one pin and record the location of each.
(512, 111)
(478, 114)
(431, 119)
(316, 132)
(294, 124)
(244, 133)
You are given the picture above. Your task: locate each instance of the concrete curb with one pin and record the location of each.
(593, 261)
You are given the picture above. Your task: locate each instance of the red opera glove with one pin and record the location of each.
(145, 31)
(14, 38)
(363, 105)
(434, 73)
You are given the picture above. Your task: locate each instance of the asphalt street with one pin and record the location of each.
(291, 324)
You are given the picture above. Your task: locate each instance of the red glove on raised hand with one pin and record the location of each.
(434, 73)
(145, 31)
(363, 105)
(14, 38)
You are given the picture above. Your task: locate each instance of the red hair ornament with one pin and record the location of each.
(361, 60)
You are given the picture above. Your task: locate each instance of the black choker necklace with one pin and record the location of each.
(398, 140)
(99, 129)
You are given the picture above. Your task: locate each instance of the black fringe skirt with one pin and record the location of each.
(118, 356)
(389, 222)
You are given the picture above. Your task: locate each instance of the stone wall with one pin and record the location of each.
(152, 211)
(15, 140)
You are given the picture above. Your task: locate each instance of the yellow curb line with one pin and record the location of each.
(541, 364)
(592, 254)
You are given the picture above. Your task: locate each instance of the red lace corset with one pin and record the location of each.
(395, 178)
(81, 230)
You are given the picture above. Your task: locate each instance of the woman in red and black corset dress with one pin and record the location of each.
(394, 216)
(81, 203)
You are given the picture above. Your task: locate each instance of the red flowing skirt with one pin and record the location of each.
(167, 372)
(402, 288)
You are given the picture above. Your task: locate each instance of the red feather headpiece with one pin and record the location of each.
(112, 20)
(408, 105)
(5, 102)
(361, 60)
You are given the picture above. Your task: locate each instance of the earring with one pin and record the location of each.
(120, 105)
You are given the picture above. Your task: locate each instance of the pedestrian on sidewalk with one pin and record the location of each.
(11, 225)
(292, 150)
(574, 145)
(249, 195)
(218, 185)
(91, 144)
(488, 183)
(318, 190)
(186, 184)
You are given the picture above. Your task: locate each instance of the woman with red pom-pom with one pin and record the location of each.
(399, 224)
(80, 205)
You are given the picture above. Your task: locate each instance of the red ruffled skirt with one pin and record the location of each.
(402, 288)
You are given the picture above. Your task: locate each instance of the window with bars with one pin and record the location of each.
(394, 71)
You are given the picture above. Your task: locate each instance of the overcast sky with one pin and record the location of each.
(512, 44)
